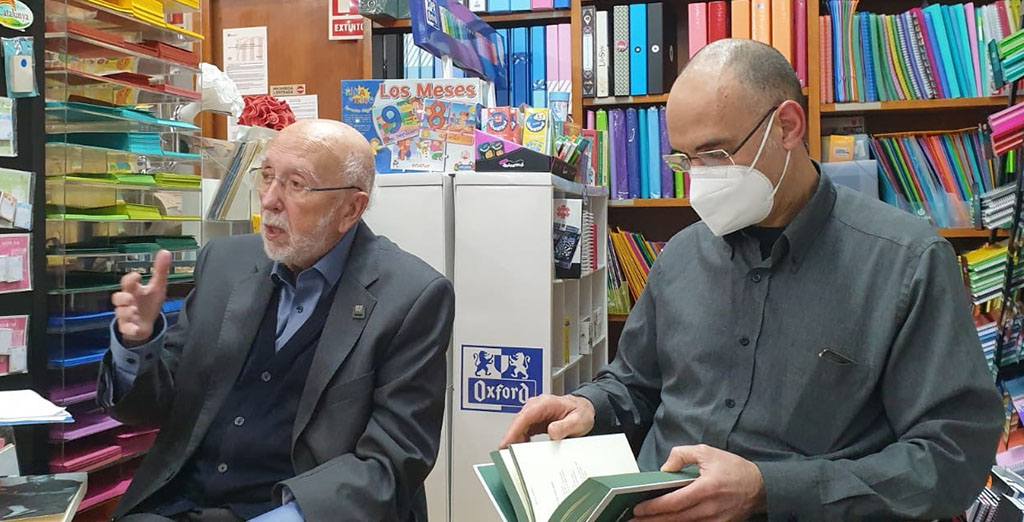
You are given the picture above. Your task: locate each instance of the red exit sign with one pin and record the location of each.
(344, 22)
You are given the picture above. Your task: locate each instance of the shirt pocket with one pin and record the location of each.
(832, 389)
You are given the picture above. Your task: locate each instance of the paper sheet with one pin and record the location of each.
(245, 58)
(28, 406)
(305, 107)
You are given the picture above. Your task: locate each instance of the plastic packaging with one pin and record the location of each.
(20, 67)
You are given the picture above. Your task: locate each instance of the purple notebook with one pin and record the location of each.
(621, 173)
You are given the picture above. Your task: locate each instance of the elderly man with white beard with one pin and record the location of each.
(304, 378)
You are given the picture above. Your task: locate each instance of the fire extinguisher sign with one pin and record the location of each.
(344, 22)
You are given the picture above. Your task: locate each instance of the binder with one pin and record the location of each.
(718, 21)
(603, 54)
(621, 50)
(519, 5)
(501, 92)
(499, 6)
(552, 69)
(377, 43)
(782, 28)
(438, 68)
(411, 57)
(538, 68)
(657, 51)
(541, 4)
(588, 17)
(643, 153)
(741, 19)
(972, 33)
(633, 153)
(564, 73)
(478, 5)
(667, 182)
(697, 25)
(561, 4)
(520, 67)
(620, 153)
(601, 124)
(653, 154)
(933, 15)
(761, 21)
(638, 46)
(800, 43)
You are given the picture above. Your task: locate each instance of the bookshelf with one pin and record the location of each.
(650, 203)
(498, 19)
(655, 99)
(510, 302)
(122, 180)
(915, 105)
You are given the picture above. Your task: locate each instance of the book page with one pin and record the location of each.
(551, 470)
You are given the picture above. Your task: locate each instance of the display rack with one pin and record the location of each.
(123, 180)
(510, 305)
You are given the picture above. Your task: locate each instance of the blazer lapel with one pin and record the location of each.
(246, 305)
(349, 313)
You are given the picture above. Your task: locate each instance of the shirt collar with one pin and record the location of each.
(330, 266)
(802, 231)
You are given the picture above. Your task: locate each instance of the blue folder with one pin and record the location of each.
(498, 6)
(654, 152)
(561, 4)
(645, 146)
(638, 49)
(519, 5)
(633, 153)
(501, 91)
(934, 13)
(933, 43)
(538, 67)
(520, 66)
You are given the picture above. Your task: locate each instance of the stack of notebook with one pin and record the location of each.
(986, 271)
(997, 207)
(137, 142)
(934, 174)
(150, 11)
(940, 51)
(618, 289)
(172, 180)
(77, 112)
(987, 333)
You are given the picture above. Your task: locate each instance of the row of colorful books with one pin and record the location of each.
(940, 51)
(631, 143)
(630, 258)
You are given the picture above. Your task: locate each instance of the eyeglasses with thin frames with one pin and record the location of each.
(294, 186)
(681, 162)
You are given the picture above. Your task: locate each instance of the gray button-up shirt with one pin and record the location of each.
(846, 365)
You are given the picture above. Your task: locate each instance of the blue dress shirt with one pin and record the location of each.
(298, 298)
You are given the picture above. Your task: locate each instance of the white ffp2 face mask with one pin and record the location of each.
(732, 197)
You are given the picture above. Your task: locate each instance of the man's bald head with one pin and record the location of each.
(338, 152)
(760, 71)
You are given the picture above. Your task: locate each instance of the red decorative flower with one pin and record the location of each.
(266, 111)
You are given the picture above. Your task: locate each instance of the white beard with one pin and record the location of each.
(300, 250)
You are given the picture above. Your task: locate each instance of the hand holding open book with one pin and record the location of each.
(589, 479)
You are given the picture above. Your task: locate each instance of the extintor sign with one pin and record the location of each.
(344, 21)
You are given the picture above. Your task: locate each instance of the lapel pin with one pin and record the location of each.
(358, 312)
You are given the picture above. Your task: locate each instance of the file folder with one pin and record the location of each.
(643, 154)
(653, 153)
(519, 5)
(638, 46)
(552, 52)
(502, 91)
(657, 51)
(538, 67)
(540, 4)
(589, 19)
(499, 6)
(603, 54)
(520, 66)
(633, 153)
(619, 141)
(667, 177)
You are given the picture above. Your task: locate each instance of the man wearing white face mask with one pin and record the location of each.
(810, 349)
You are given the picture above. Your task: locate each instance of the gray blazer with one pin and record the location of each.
(369, 419)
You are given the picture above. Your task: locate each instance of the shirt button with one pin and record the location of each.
(222, 468)
(729, 403)
(756, 278)
(239, 421)
(265, 376)
(744, 341)
(298, 309)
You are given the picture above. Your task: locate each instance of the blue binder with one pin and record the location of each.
(653, 152)
(538, 67)
(940, 72)
(520, 67)
(645, 146)
(949, 20)
(501, 91)
(498, 6)
(519, 5)
(561, 4)
(869, 64)
(633, 153)
(638, 49)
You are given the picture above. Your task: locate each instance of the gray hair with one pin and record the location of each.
(761, 69)
(358, 169)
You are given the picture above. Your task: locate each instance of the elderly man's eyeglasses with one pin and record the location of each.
(294, 186)
(682, 162)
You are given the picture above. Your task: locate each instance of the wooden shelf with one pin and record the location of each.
(915, 105)
(960, 233)
(653, 99)
(617, 318)
(514, 17)
(650, 203)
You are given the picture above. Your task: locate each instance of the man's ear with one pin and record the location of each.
(794, 124)
(352, 210)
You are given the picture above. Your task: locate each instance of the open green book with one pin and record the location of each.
(589, 479)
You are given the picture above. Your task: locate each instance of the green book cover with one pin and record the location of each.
(491, 480)
(858, 60)
(880, 74)
(679, 183)
(518, 500)
(612, 498)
